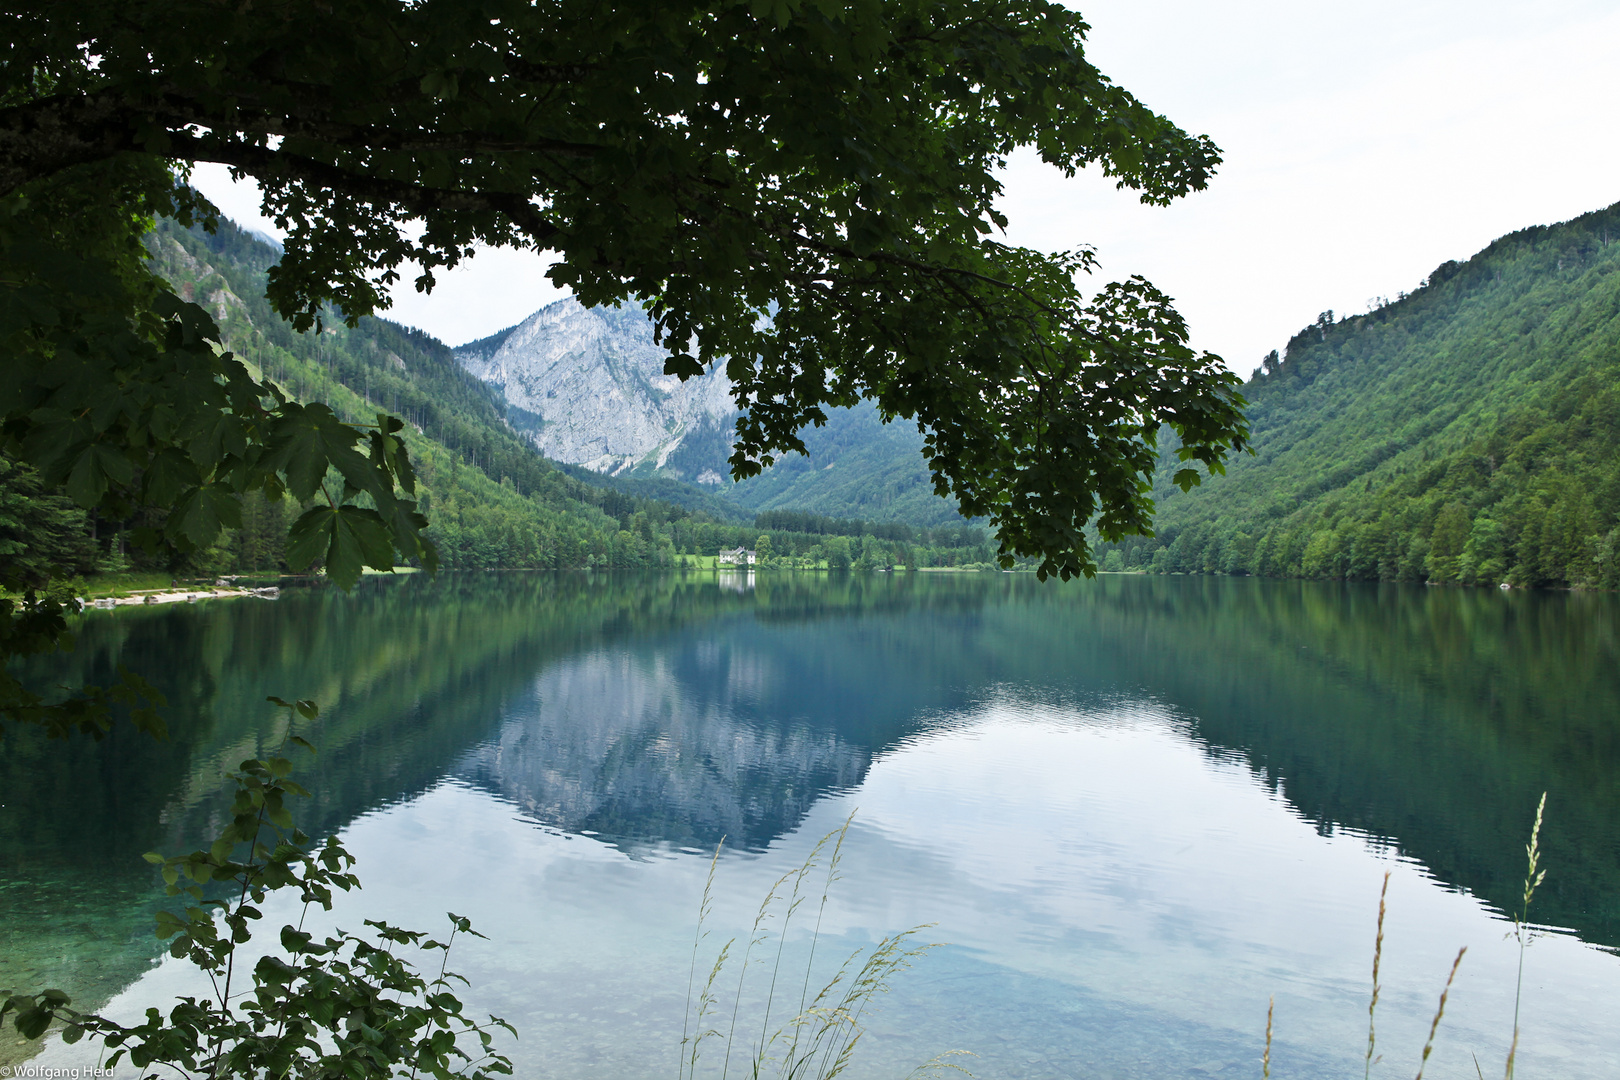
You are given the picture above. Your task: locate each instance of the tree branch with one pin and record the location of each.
(41, 138)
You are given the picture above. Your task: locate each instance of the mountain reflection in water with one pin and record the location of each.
(650, 749)
(661, 714)
(674, 710)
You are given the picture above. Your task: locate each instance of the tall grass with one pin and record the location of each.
(1434, 1025)
(819, 1041)
(1534, 875)
(1265, 1058)
(1378, 956)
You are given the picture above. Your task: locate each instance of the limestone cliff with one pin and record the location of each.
(588, 387)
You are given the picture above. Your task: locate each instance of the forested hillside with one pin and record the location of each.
(858, 467)
(1468, 432)
(493, 501)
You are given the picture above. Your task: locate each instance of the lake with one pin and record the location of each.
(1131, 811)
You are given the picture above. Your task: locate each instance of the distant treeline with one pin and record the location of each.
(473, 531)
(944, 536)
(1469, 432)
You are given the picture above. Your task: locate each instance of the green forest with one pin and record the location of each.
(857, 467)
(492, 500)
(1464, 433)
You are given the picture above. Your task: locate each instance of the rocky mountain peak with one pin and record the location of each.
(587, 385)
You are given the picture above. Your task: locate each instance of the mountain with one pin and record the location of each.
(1468, 432)
(492, 499)
(587, 387)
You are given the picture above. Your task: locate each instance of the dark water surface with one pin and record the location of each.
(1134, 809)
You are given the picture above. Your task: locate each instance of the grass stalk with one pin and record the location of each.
(1265, 1058)
(828, 1026)
(1378, 955)
(756, 936)
(691, 976)
(1533, 877)
(781, 940)
(1434, 1025)
(821, 911)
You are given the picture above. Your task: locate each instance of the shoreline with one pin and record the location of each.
(222, 589)
(178, 596)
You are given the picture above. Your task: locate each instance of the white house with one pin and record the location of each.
(738, 556)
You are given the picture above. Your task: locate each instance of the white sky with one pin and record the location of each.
(1364, 143)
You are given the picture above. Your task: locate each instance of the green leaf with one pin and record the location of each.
(440, 85)
(93, 470)
(345, 539)
(683, 365)
(168, 475)
(389, 454)
(200, 513)
(31, 1023)
(308, 439)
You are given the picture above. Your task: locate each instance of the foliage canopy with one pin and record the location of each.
(830, 166)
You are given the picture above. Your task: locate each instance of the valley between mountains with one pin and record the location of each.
(1466, 432)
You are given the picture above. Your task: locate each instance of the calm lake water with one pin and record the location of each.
(1132, 810)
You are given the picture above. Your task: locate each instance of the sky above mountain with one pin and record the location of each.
(1365, 144)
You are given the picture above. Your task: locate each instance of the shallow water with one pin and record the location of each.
(1133, 810)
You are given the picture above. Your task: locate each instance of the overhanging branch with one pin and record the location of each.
(42, 138)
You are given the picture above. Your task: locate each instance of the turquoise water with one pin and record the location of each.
(1131, 810)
